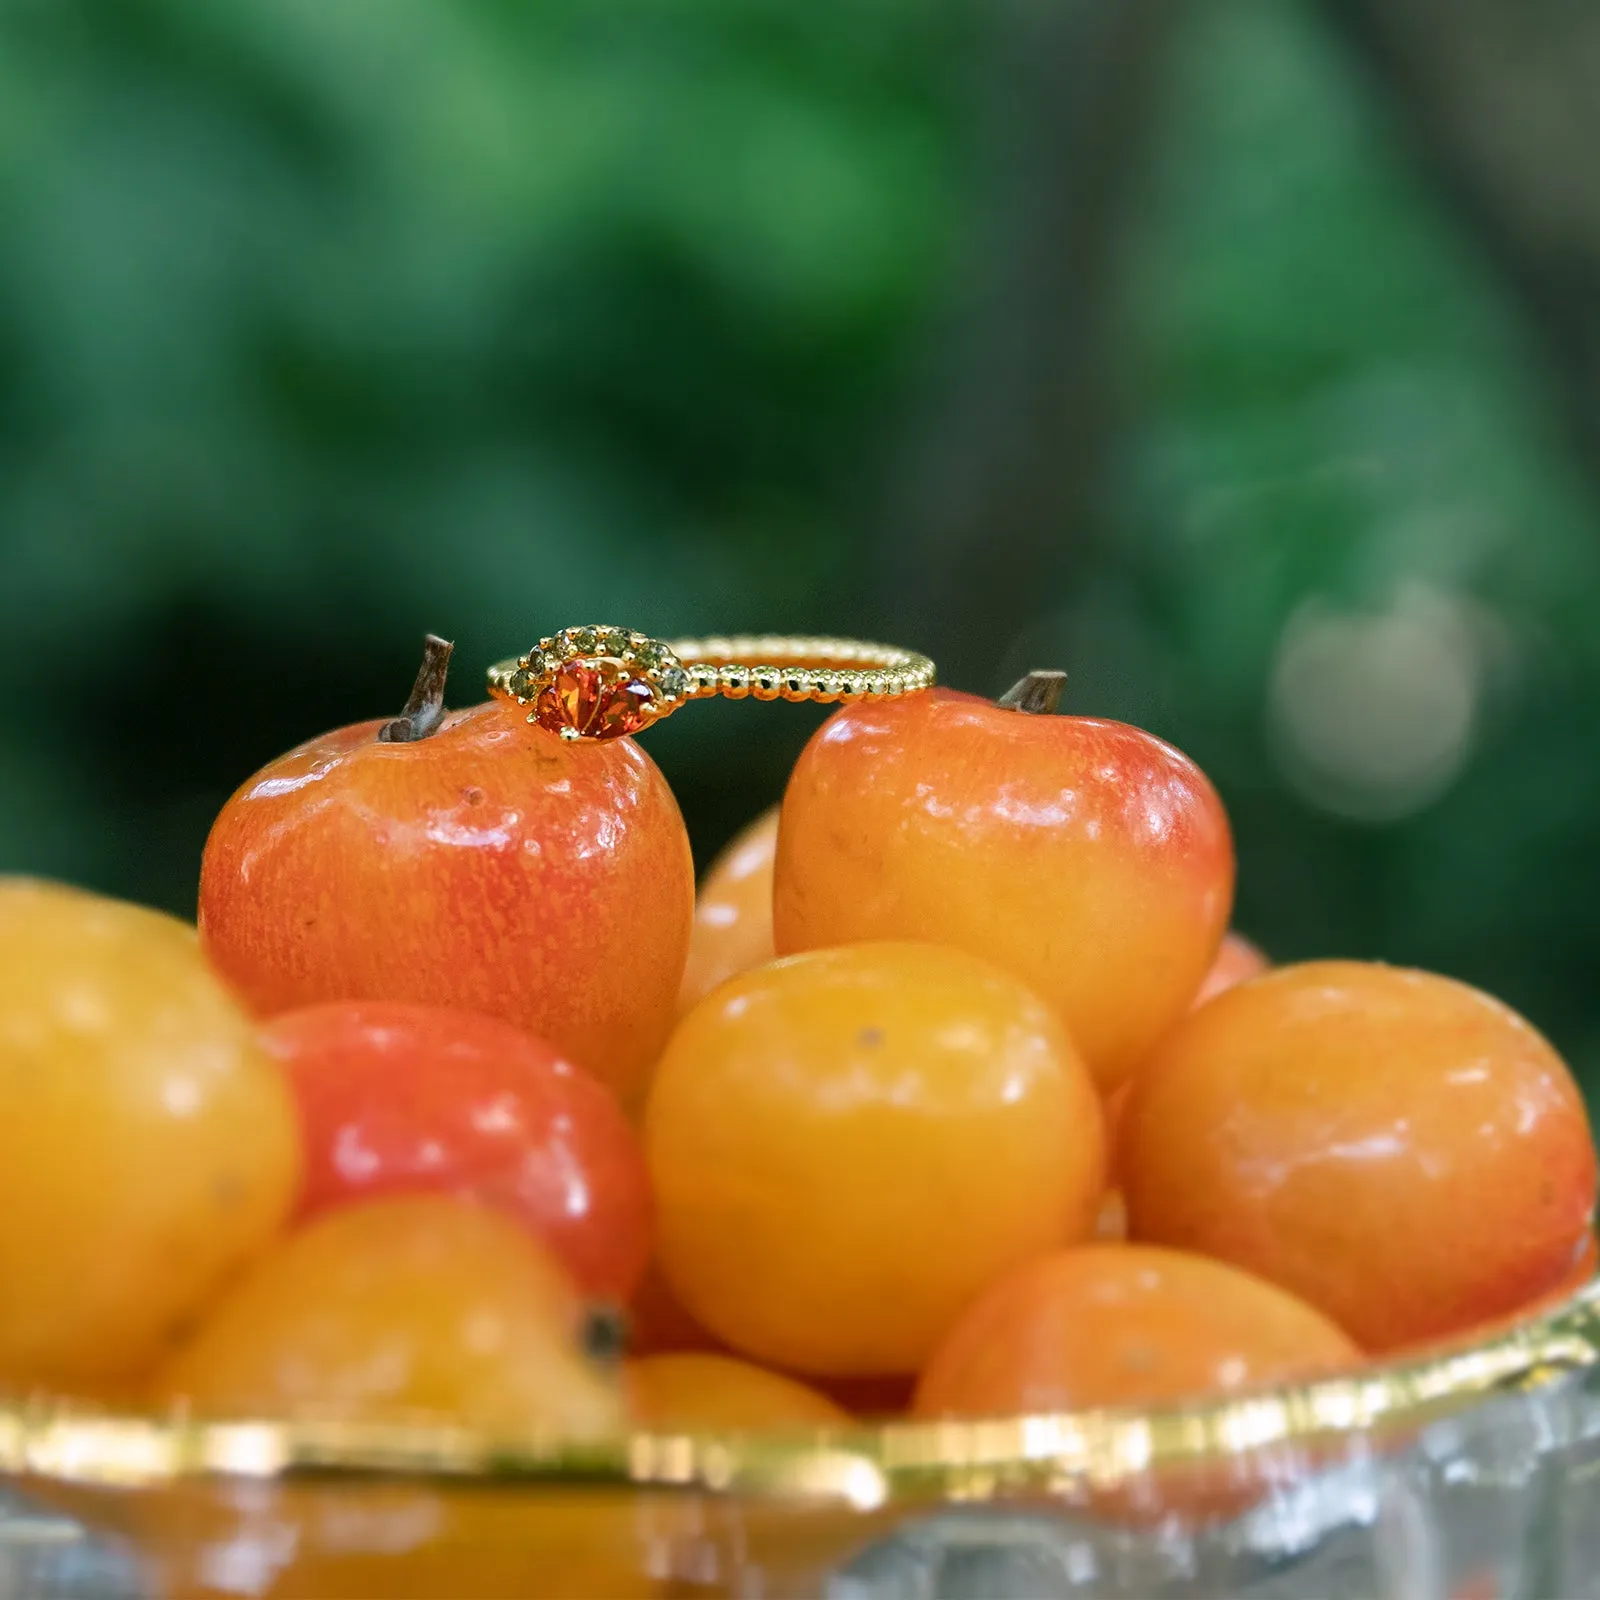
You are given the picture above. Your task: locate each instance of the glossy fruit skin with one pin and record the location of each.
(1086, 856)
(1585, 1264)
(147, 1143)
(733, 912)
(427, 1305)
(848, 1144)
(1237, 962)
(492, 867)
(1123, 1325)
(1399, 1150)
(698, 1391)
(1579, 1274)
(398, 1099)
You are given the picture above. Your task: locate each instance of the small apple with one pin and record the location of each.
(461, 859)
(1089, 857)
(397, 1098)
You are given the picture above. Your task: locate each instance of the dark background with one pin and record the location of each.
(1241, 358)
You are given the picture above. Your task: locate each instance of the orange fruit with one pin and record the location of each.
(847, 1145)
(1397, 1149)
(1123, 1325)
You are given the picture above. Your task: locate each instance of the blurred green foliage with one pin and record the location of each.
(323, 325)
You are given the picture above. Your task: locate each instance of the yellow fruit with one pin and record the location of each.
(847, 1145)
(696, 1390)
(147, 1145)
(428, 1304)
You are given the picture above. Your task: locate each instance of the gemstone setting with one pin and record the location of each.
(599, 682)
(594, 697)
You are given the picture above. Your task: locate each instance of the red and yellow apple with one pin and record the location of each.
(490, 866)
(1088, 857)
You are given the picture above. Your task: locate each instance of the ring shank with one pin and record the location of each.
(786, 667)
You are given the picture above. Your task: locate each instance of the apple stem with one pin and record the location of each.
(1038, 694)
(421, 713)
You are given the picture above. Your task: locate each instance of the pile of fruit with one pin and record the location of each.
(952, 1095)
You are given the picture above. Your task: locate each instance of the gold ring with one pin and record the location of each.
(599, 683)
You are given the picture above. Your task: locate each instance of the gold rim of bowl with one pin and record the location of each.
(865, 1466)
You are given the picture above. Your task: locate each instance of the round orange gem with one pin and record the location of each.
(598, 698)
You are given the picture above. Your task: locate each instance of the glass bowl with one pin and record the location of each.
(1471, 1474)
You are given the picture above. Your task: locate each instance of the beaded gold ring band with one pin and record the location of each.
(600, 683)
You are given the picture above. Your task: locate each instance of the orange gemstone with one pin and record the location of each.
(600, 698)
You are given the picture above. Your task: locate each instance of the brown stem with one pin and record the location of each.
(1038, 694)
(421, 713)
(604, 1335)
